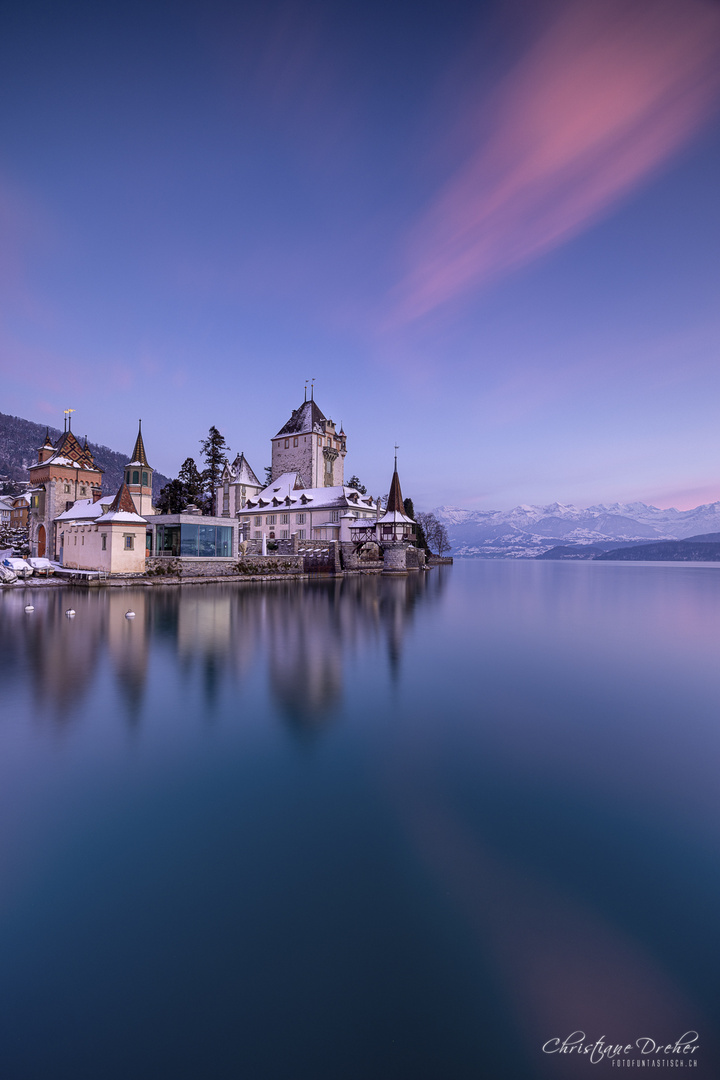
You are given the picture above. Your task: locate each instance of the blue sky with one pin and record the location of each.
(488, 231)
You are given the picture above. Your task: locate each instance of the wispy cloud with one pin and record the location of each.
(606, 93)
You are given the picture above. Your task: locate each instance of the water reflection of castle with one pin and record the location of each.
(303, 634)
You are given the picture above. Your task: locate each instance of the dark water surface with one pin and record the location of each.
(360, 828)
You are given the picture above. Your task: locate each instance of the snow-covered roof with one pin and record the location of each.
(69, 454)
(305, 419)
(394, 517)
(240, 472)
(287, 490)
(123, 516)
(86, 509)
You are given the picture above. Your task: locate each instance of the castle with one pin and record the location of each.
(306, 500)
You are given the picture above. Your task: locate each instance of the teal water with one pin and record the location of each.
(361, 828)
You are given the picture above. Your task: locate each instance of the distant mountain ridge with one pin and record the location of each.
(19, 442)
(527, 531)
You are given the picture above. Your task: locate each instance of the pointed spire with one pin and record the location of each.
(138, 453)
(395, 499)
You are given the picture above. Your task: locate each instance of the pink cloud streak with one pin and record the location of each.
(604, 96)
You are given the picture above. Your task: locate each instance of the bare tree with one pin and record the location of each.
(435, 533)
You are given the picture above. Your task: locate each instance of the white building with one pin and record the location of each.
(238, 483)
(286, 506)
(107, 534)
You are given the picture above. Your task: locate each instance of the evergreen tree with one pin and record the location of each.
(214, 450)
(191, 480)
(171, 499)
(268, 475)
(354, 482)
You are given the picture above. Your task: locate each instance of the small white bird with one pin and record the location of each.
(129, 614)
(29, 607)
(70, 613)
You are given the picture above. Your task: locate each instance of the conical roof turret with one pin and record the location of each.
(139, 456)
(395, 499)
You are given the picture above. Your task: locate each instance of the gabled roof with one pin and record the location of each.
(242, 472)
(138, 455)
(307, 418)
(86, 509)
(71, 454)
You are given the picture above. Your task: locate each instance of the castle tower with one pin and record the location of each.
(138, 477)
(394, 524)
(62, 474)
(308, 444)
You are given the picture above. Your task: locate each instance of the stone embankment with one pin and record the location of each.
(332, 560)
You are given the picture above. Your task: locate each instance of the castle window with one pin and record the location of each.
(145, 479)
(295, 441)
(270, 519)
(82, 491)
(104, 542)
(67, 489)
(284, 534)
(287, 443)
(301, 534)
(258, 520)
(136, 476)
(127, 476)
(129, 543)
(300, 518)
(284, 518)
(334, 515)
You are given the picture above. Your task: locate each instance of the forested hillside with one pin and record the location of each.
(19, 442)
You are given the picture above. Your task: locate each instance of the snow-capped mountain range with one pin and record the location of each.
(526, 531)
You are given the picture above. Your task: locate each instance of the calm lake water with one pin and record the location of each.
(362, 828)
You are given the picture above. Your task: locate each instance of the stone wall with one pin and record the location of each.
(297, 459)
(415, 559)
(159, 566)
